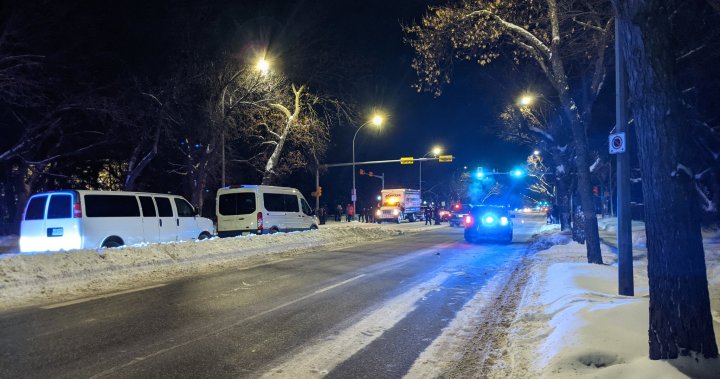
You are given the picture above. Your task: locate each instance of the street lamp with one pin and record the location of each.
(436, 150)
(526, 100)
(536, 152)
(263, 65)
(377, 121)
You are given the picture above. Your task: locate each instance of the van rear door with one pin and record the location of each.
(33, 236)
(167, 222)
(237, 212)
(62, 230)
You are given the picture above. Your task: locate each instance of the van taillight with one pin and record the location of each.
(259, 222)
(77, 210)
(468, 220)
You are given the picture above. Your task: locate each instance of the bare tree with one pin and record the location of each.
(680, 318)
(566, 39)
(542, 127)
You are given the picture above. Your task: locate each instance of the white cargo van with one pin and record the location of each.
(65, 220)
(262, 209)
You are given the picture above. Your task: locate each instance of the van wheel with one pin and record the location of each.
(313, 227)
(274, 230)
(204, 236)
(112, 242)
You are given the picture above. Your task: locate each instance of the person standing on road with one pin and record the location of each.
(350, 210)
(338, 213)
(322, 214)
(428, 216)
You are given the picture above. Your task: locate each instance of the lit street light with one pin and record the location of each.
(263, 65)
(377, 121)
(436, 150)
(526, 100)
(536, 152)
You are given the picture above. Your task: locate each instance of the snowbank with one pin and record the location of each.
(608, 229)
(32, 278)
(9, 244)
(572, 323)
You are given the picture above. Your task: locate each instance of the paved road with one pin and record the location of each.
(366, 311)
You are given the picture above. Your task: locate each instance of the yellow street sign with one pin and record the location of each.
(445, 158)
(406, 160)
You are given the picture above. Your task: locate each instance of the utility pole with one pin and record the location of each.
(624, 232)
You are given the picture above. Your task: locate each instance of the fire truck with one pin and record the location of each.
(398, 205)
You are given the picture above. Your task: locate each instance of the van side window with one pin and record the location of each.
(277, 202)
(111, 206)
(274, 202)
(236, 203)
(164, 207)
(148, 207)
(291, 203)
(305, 207)
(36, 208)
(60, 207)
(184, 209)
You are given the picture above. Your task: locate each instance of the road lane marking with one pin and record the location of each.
(86, 299)
(225, 328)
(328, 288)
(318, 358)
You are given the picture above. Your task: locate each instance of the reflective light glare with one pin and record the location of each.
(503, 220)
(536, 152)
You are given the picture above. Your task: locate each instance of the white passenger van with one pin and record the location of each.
(65, 220)
(262, 209)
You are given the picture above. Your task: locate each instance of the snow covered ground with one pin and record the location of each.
(571, 322)
(27, 279)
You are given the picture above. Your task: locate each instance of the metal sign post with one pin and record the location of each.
(618, 143)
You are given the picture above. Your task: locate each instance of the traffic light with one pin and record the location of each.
(370, 173)
(318, 191)
(362, 172)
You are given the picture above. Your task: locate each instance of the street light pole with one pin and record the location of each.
(377, 121)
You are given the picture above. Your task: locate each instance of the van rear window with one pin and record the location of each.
(60, 207)
(36, 208)
(111, 206)
(236, 204)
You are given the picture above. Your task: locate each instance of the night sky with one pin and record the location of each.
(350, 49)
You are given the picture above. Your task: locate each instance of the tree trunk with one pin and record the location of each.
(680, 319)
(269, 174)
(135, 168)
(584, 186)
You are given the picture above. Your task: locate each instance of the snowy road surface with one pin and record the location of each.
(364, 311)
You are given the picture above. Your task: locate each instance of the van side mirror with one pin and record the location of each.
(196, 212)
